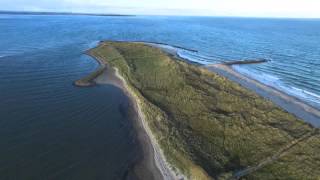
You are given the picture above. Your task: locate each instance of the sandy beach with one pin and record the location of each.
(291, 104)
(154, 157)
(152, 164)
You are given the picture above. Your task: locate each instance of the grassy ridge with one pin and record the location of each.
(208, 125)
(89, 79)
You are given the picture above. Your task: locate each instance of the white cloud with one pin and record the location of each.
(279, 8)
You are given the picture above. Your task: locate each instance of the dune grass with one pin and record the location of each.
(207, 126)
(89, 79)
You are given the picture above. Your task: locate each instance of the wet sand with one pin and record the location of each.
(287, 102)
(146, 167)
(291, 104)
(151, 164)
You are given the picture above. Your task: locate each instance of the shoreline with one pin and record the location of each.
(159, 158)
(153, 156)
(291, 104)
(156, 44)
(88, 80)
(285, 101)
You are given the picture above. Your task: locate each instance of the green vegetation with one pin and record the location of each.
(89, 79)
(210, 127)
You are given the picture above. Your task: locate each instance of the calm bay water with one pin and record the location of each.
(50, 129)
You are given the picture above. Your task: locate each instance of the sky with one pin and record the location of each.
(247, 8)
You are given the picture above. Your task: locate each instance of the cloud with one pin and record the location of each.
(278, 8)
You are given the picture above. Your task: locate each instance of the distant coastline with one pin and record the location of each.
(59, 13)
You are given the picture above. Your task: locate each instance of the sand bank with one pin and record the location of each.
(291, 104)
(153, 164)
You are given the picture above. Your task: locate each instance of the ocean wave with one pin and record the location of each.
(187, 54)
(164, 46)
(276, 82)
(262, 77)
(197, 55)
(314, 95)
(193, 57)
(92, 44)
(265, 78)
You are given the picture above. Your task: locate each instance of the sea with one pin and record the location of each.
(50, 129)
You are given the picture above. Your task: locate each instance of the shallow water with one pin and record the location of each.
(50, 129)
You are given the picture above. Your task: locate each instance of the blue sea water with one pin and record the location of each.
(50, 129)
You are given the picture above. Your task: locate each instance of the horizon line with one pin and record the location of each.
(17, 12)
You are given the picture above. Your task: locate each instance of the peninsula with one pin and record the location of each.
(202, 125)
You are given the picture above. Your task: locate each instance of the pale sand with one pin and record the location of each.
(159, 157)
(154, 160)
(153, 164)
(291, 104)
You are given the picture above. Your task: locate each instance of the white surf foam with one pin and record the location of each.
(194, 57)
(186, 54)
(92, 44)
(276, 82)
(267, 79)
